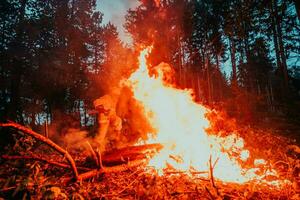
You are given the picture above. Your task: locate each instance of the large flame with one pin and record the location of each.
(180, 125)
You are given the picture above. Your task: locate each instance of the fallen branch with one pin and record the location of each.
(94, 155)
(212, 197)
(107, 170)
(185, 172)
(58, 164)
(99, 158)
(46, 141)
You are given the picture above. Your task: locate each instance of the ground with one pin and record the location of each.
(25, 179)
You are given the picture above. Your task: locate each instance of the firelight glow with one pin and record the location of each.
(180, 125)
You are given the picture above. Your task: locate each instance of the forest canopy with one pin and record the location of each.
(57, 57)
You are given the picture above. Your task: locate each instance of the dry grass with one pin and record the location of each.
(25, 179)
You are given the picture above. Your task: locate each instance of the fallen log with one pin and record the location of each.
(123, 155)
(45, 140)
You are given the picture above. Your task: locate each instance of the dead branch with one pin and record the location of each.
(107, 170)
(209, 193)
(94, 155)
(32, 157)
(99, 158)
(46, 141)
(211, 174)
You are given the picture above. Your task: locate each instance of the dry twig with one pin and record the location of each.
(94, 155)
(211, 174)
(99, 158)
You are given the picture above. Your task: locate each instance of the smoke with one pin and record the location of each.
(66, 131)
(114, 12)
(76, 139)
(118, 65)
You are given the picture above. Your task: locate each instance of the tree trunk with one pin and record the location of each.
(233, 61)
(199, 87)
(17, 69)
(220, 96)
(275, 38)
(281, 46)
(179, 59)
(207, 66)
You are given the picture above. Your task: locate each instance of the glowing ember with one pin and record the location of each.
(180, 125)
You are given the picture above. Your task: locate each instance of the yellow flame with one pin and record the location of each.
(180, 125)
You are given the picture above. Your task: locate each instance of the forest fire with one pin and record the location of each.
(209, 111)
(180, 125)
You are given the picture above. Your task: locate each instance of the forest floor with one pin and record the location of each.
(281, 126)
(25, 179)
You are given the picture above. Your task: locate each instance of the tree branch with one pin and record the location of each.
(107, 170)
(47, 141)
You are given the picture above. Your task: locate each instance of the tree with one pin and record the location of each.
(52, 40)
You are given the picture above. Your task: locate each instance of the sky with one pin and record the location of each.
(114, 11)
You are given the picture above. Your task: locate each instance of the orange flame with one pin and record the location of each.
(180, 125)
